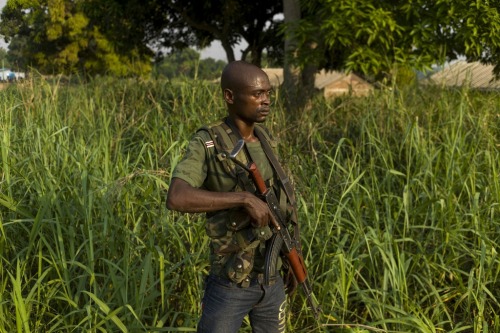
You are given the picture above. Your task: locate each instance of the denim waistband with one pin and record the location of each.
(253, 279)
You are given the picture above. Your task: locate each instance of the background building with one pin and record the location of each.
(331, 83)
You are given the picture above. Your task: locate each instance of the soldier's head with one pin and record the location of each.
(247, 91)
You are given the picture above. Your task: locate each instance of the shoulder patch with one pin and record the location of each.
(209, 144)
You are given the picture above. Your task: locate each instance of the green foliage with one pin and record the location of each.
(15, 54)
(403, 75)
(186, 63)
(121, 37)
(399, 208)
(3, 58)
(370, 36)
(70, 37)
(199, 22)
(210, 68)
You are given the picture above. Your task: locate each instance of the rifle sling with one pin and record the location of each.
(285, 184)
(284, 180)
(241, 175)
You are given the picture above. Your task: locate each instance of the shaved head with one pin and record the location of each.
(247, 93)
(239, 74)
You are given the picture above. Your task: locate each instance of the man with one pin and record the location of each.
(206, 180)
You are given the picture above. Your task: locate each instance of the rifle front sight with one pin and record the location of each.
(236, 150)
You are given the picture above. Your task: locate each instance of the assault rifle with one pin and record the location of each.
(281, 240)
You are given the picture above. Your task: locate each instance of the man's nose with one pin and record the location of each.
(267, 98)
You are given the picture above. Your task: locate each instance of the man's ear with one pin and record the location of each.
(228, 96)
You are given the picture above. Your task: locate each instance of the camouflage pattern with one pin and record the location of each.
(237, 248)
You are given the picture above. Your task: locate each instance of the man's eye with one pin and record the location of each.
(261, 94)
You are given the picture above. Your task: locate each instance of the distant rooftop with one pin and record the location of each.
(332, 83)
(321, 80)
(473, 74)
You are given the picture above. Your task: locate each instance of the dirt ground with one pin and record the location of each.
(3, 85)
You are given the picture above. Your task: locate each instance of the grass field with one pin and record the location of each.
(399, 206)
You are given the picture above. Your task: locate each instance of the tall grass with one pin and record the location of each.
(399, 198)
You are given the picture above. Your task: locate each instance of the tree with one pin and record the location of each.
(187, 63)
(373, 37)
(94, 36)
(298, 82)
(370, 36)
(4, 62)
(199, 22)
(210, 69)
(122, 36)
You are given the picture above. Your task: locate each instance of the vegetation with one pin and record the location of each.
(371, 36)
(399, 207)
(88, 37)
(378, 38)
(122, 38)
(186, 63)
(199, 22)
(4, 62)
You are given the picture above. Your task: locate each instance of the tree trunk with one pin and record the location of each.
(228, 49)
(298, 85)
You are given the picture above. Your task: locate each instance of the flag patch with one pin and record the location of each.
(209, 144)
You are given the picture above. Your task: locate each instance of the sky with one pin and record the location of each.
(216, 51)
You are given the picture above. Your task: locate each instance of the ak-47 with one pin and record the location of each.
(281, 240)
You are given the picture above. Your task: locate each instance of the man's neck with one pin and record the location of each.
(245, 129)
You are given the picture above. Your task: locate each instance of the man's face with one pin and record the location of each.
(251, 102)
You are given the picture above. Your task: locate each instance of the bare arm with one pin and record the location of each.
(184, 198)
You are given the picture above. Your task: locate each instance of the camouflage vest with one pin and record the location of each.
(234, 241)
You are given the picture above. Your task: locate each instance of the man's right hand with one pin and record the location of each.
(257, 210)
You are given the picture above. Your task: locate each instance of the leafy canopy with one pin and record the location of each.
(93, 36)
(121, 37)
(200, 22)
(370, 36)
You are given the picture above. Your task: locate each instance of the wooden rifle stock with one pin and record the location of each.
(289, 245)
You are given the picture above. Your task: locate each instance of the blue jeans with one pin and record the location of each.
(225, 304)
